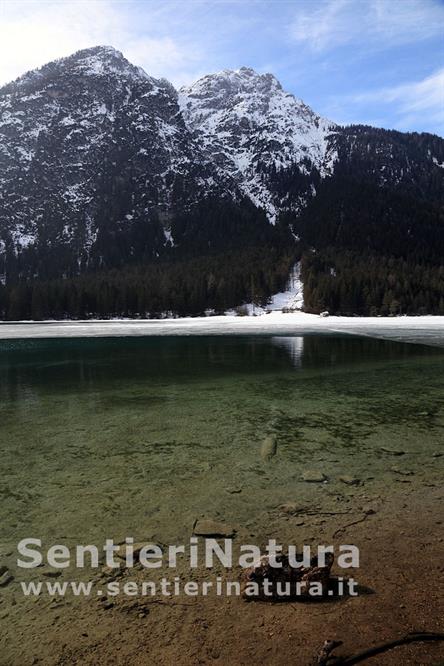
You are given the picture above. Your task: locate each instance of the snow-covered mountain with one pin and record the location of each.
(102, 165)
(91, 146)
(252, 129)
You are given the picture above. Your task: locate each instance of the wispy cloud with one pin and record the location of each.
(33, 33)
(328, 24)
(410, 104)
(324, 51)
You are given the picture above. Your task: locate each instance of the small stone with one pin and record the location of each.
(311, 476)
(6, 578)
(212, 528)
(3, 569)
(111, 573)
(350, 480)
(234, 491)
(403, 472)
(137, 547)
(107, 604)
(291, 508)
(369, 510)
(269, 447)
(393, 452)
(437, 454)
(50, 573)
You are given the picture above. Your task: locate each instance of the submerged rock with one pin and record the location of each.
(290, 508)
(350, 480)
(393, 452)
(49, 572)
(312, 476)
(212, 528)
(6, 578)
(269, 447)
(285, 581)
(124, 547)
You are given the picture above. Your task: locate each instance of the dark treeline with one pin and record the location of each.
(347, 283)
(186, 287)
(372, 250)
(370, 247)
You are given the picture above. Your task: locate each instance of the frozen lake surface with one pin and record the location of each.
(426, 329)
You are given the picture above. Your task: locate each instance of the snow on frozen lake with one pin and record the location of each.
(427, 329)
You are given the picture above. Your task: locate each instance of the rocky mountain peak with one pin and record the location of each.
(95, 62)
(250, 126)
(101, 163)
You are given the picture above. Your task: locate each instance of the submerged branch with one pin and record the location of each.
(325, 657)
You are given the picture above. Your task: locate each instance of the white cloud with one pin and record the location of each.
(409, 105)
(413, 101)
(424, 95)
(33, 33)
(372, 23)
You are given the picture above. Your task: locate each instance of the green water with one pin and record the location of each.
(107, 438)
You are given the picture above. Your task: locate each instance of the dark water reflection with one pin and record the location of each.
(88, 364)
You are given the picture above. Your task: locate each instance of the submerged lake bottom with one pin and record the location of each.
(141, 437)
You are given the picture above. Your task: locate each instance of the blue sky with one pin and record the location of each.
(372, 61)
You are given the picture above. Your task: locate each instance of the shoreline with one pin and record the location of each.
(427, 329)
(395, 597)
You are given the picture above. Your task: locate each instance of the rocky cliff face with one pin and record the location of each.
(92, 150)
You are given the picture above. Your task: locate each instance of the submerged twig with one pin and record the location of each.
(325, 658)
(325, 652)
(344, 527)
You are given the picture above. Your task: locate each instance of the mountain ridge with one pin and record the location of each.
(103, 166)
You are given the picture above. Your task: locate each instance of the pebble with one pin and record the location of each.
(111, 572)
(311, 476)
(404, 472)
(6, 578)
(393, 452)
(269, 447)
(212, 528)
(49, 572)
(137, 547)
(107, 604)
(291, 508)
(350, 480)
